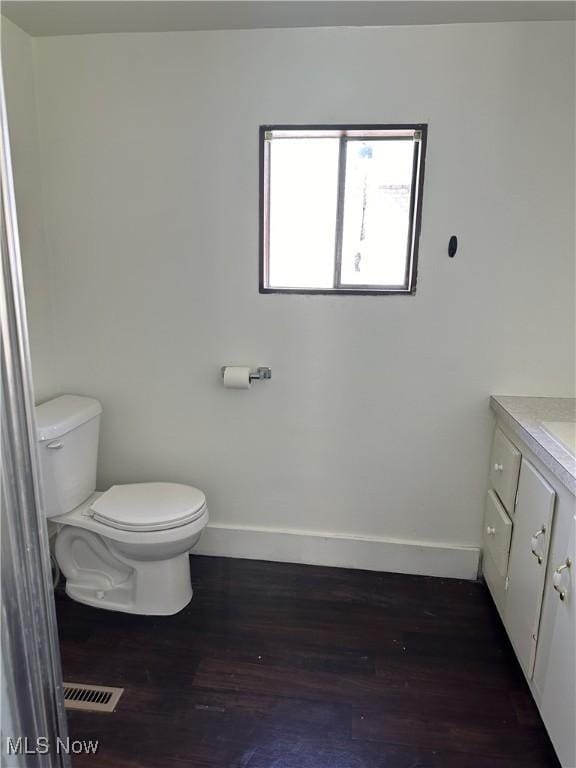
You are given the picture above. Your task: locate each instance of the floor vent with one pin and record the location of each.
(94, 698)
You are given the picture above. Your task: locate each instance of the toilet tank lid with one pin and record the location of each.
(56, 417)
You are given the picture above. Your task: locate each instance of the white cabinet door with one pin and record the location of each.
(555, 671)
(527, 564)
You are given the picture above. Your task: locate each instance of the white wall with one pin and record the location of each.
(18, 71)
(376, 421)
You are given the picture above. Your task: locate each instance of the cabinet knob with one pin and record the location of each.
(490, 530)
(498, 467)
(557, 579)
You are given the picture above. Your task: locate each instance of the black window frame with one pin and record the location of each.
(346, 133)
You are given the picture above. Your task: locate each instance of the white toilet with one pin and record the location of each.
(125, 549)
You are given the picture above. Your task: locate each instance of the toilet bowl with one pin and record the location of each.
(111, 561)
(125, 549)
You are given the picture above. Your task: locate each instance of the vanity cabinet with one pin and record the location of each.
(528, 565)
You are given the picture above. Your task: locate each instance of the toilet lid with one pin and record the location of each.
(149, 506)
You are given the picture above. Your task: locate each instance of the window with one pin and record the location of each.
(340, 208)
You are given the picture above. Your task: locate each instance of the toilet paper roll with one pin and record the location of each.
(237, 377)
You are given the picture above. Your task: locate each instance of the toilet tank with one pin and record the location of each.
(67, 429)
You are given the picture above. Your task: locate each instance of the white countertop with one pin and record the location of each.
(525, 416)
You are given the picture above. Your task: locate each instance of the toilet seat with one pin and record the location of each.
(148, 506)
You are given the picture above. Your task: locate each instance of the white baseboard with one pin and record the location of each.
(342, 551)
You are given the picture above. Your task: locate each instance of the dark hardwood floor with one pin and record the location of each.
(290, 666)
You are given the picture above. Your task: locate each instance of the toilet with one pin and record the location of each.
(125, 549)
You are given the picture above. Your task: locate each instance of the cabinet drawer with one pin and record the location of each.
(497, 532)
(504, 469)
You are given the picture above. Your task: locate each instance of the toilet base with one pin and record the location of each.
(154, 589)
(116, 600)
(119, 599)
(97, 574)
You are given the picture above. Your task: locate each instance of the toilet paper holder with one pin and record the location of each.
(262, 372)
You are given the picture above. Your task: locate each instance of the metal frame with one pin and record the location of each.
(338, 240)
(32, 680)
(416, 132)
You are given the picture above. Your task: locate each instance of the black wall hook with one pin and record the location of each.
(452, 246)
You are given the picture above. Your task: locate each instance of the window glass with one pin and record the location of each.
(376, 212)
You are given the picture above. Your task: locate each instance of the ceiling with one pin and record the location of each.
(74, 17)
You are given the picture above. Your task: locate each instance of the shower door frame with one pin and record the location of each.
(32, 688)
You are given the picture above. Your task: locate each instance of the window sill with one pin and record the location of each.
(340, 291)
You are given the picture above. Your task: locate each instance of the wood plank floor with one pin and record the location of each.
(289, 666)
